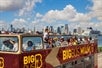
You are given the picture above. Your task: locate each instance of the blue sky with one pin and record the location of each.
(47, 5)
(40, 13)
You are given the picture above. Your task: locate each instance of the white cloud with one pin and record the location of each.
(22, 6)
(10, 4)
(28, 6)
(69, 13)
(19, 23)
(3, 24)
(38, 15)
(80, 17)
(97, 9)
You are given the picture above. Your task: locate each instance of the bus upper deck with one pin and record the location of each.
(30, 51)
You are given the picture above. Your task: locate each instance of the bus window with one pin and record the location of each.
(32, 43)
(8, 44)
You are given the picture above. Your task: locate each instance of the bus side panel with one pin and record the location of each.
(51, 58)
(34, 59)
(9, 61)
(70, 53)
(61, 55)
(95, 61)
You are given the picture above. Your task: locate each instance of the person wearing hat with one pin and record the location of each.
(15, 45)
(57, 42)
(5, 45)
(63, 42)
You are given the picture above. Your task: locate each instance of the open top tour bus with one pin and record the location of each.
(15, 53)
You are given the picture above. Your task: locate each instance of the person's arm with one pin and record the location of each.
(3, 47)
(15, 48)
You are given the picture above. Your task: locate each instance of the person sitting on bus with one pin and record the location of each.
(6, 45)
(50, 43)
(63, 42)
(86, 41)
(70, 41)
(15, 45)
(80, 41)
(30, 46)
(91, 40)
(56, 42)
(10, 45)
(75, 41)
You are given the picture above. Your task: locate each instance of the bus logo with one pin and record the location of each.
(1, 62)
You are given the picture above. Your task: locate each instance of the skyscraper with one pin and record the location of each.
(66, 28)
(58, 30)
(62, 30)
(79, 30)
(51, 29)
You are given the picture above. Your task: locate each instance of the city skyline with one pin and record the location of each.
(42, 13)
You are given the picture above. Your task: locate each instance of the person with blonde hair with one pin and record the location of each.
(57, 43)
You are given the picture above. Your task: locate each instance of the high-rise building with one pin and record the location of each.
(79, 30)
(62, 30)
(51, 29)
(11, 26)
(58, 30)
(74, 31)
(66, 28)
(34, 30)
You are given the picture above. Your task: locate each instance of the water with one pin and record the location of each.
(99, 41)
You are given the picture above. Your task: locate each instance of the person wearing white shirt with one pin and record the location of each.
(15, 45)
(46, 35)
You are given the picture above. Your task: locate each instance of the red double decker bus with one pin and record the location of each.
(13, 53)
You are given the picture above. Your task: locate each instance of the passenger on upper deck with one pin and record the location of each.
(56, 42)
(63, 42)
(70, 41)
(91, 40)
(50, 43)
(75, 41)
(85, 39)
(46, 35)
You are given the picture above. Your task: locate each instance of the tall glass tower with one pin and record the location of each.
(66, 28)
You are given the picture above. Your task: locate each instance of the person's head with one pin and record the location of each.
(6, 43)
(71, 39)
(50, 40)
(30, 43)
(68, 40)
(62, 39)
(55, 39)
(90, 38)
(46, 30)
(85, 38)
